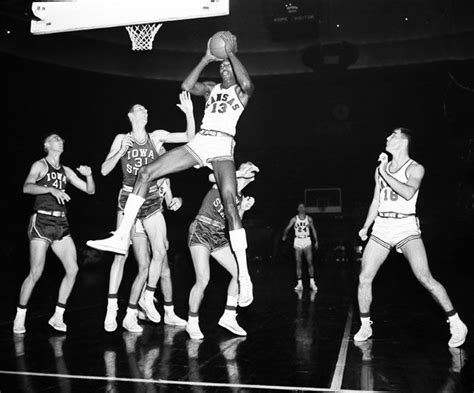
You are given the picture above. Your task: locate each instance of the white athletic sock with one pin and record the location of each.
(365, 320)
(112, 303)
(238, 242)
(193, 321)
(59, 311)
(231, 301)
(134, 202)
(20, 311)
(454, 318)
(168, 309)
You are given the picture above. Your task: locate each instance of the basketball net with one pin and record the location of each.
(142, 35)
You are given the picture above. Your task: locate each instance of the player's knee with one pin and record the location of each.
(202, 281)
(426, 280)
(72, 271)
(35, 275)
(365, 279)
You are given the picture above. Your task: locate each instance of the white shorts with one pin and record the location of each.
(395, 232)
(302, 242)
(208, 146)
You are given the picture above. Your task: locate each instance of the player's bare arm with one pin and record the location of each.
(37, 171)
(373, 209)
(162, 136)
(313, 230)
(245, 86)
(285, 231)
(191, 83)
(87, 186)
(415, 173)
(120, 145)
(172, 203)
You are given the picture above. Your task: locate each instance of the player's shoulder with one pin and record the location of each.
(159, 135)
(39, 165)
(415, 168)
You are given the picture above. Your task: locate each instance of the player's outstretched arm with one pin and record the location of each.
(191, 83)
(162, 136)
(241, 74)
(120, 145)
(172, 203)
(285, 231)
(87, 186)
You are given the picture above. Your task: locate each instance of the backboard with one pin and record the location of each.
(323, 200)
(70, 15)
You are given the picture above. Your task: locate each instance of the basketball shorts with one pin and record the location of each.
(153, 202)
(395, 232)
(207, 235)
(48, 228)
(208, 146)
(301, 243)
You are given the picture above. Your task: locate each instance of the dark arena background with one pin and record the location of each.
(331, 84)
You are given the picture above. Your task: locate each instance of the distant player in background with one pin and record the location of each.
(393, 213)
(207, 237)
(49, 226)
(213, 146)
(133, 150)
(302, 224)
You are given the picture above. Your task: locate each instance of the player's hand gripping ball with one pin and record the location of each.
(217, 44)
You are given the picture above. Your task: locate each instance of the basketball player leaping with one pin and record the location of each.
(212, 146)
(302, 223)
(393, 212)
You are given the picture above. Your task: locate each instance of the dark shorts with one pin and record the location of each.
(153, 203)
(48, 228)
(207, 235)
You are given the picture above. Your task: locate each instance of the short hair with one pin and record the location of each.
(301, 203)
(45, 139)
(408, 134)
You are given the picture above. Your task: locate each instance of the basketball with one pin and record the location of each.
(217, 46)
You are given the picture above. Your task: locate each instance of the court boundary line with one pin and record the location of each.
(338, 375)
(188, 383)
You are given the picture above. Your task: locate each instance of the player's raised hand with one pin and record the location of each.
(230, 41)
(247, 203)
(84, 170)
(363, 234)
(60, 196)
(175, 203)
(185, 102)
(209, 56)
(383, 159)
(127, 143)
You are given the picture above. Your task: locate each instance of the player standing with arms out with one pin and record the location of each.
(302, 223)
(207, 237)
(213, 146)
(49, 226)
(133, 150)
(393, 213)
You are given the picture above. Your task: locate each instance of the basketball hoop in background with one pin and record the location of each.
(142, 36)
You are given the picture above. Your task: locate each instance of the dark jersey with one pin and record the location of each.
(212, 207)
(56, 178)
(137, 156)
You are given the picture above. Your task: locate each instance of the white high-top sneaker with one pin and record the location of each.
(458, 332)
(130, 322)
(193, 329)
(110, 321)
(19, 322)
(229, 322)
(365, 331)
(56, 321)
(171, 318)
(146, 303)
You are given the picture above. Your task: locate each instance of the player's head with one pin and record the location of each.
(245, 175)
(53, 143)
(399, 140)
(301, 208)
(138, 115)
(226, 71)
